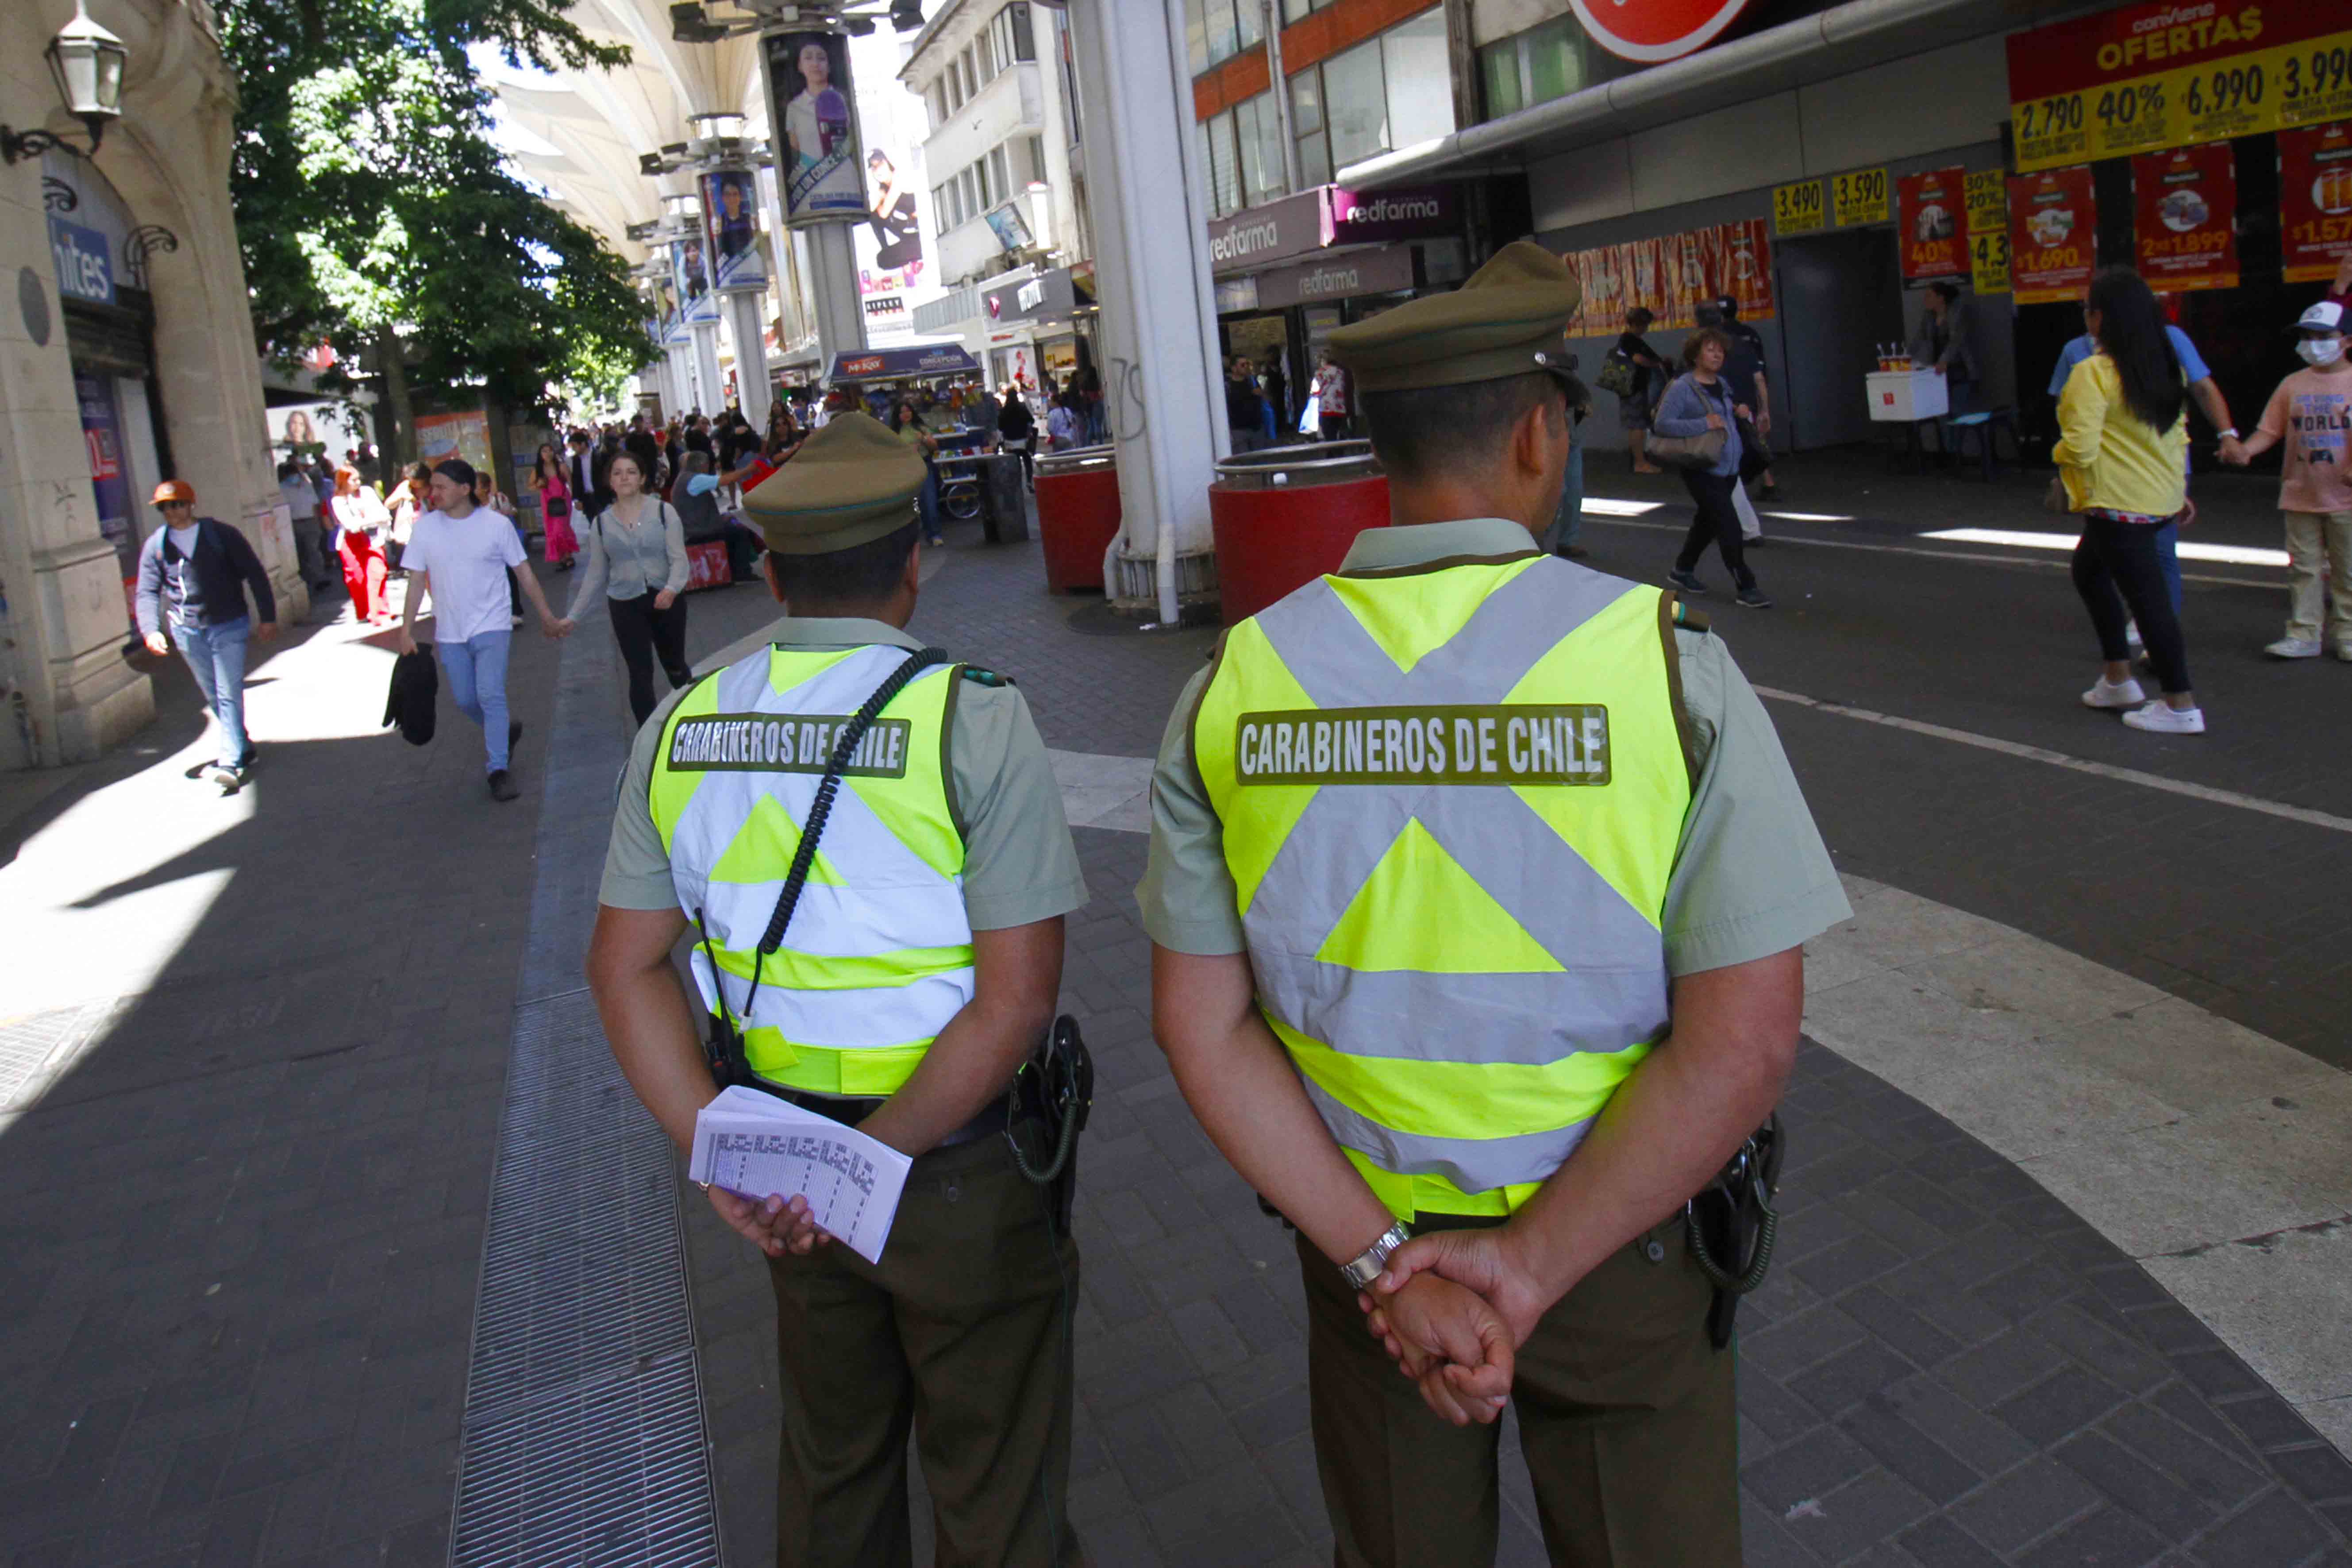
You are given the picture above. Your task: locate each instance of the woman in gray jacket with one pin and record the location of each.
(1697, 403)
(637, 559)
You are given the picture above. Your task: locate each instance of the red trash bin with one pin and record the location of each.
(1284, 517)
(1078, 515)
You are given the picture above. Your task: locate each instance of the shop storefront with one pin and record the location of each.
(1291, 272)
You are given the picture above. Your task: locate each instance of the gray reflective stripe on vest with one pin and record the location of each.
(1611, 992)
(1472, 1164)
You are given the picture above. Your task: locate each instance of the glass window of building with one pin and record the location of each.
(999, 171)
(935, 97)
(989, 194)
(1258, 129)
(1420, 79)
(984, 49)
(1015, 39)
(1224, 166)
(1296, 10)
(1249, 26)
(954, 87)
(971, 78)
(1535, 66)
(1196, 36)
(1355, 103)
(1032, 158)
(1498, 78)
(1307, 123)
(968, 182)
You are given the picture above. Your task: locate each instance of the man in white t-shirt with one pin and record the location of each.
(461, 553)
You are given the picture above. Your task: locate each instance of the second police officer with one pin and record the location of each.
(1476, 888)
(918, 969)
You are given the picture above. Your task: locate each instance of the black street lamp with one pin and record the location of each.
(87, 61)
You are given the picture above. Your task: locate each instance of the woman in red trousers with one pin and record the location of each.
(363, 519)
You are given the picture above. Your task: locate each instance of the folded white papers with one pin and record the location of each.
(758, 1146)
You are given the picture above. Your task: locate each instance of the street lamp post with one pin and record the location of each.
(87, 61)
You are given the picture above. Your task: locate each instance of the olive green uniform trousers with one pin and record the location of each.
(962, 1335)
(1625, 1413)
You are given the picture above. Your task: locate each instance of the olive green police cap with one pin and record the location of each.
(850, 484)
(1508, 318)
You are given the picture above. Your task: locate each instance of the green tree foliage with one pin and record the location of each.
(374, 207)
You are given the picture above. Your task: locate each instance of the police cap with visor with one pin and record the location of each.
(851, 483)
(1508, 318)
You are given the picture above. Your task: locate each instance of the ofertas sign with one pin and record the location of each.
(2315, 200)
(1933, 203)
(1655, 30)
(2184, 217)
(2173, 73)
(2054, 225)
(80, 257)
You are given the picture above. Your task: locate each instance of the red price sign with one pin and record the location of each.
(2315, 200)
(2184, 217)
(1932, 210)
(2053, 227)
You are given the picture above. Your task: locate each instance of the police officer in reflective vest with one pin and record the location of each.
(918, 969)
(1476, 888)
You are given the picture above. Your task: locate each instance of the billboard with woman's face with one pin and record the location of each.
(818, 161)
(730, 222)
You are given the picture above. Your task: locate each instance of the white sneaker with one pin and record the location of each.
(2167, 720)
(2296, 647)
(2131, 633)
(2105, 693)
(2344, 652)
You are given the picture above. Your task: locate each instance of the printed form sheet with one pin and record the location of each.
(758, 1146)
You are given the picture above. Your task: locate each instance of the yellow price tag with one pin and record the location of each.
(2049, 132)
(1986, 192)
(1860, 196)
(1988, 261)
(1798, 208)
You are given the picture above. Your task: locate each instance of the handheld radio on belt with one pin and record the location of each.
(1046, 1106)
(1731, 1224)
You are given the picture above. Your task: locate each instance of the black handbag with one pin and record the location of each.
(1755, 454)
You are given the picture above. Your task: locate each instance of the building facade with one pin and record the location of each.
(129, 359)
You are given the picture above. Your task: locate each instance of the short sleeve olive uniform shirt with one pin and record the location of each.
(1751, 876)
(1020, 866)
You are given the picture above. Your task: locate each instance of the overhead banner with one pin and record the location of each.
(2315, 200)
(1933, 205)
(2185, 218)
(2175, 73)
(1671, 274)
(817, 162)
(730, 229)
(2053, 227)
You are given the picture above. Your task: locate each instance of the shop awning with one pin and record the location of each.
(1844, 39)
(898, 364)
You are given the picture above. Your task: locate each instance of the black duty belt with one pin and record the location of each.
(849, 1111)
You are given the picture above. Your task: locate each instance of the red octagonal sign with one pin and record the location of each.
(1651, 31)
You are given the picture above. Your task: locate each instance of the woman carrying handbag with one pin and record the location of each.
(1697, 430)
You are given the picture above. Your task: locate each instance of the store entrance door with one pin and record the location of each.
(1839, 299)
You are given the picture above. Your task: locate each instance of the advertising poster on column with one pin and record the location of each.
(1932, 206)
(2315, 200)
(2054, 227)
(730, 228)
(695, 300)
(2185, 218)
(888, 244)
(817, 156)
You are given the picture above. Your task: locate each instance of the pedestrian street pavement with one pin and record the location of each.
(2061, 1279)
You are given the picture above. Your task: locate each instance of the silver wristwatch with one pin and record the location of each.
(1367, 1265)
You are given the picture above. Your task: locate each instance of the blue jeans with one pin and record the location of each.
(215, 657)
(928, 503)
(476, 669)
(2168, 555)
(1569, 520)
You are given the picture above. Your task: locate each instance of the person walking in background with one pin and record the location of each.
(555, 492)
(637, 561)
(407, 502)
(2122, 457)
(194, 573)
(464, 556)
(302, 509)
(1330, 389)
(1244, 409)
(1699, 401)
(1649, 370)
(1277, 388)
(1743, 373)
(361, 520)
(1746, 351)
(1568, 518)
(2308, 417)
(784, 435)
(1060, 423)
(1016, 430)
(908, 427)
(1944, 343)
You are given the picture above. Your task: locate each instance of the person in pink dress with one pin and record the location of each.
(554, 493)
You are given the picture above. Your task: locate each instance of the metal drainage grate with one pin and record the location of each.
(583, 1433)
(26, 1043)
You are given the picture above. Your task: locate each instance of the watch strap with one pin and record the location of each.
(1367, 1265)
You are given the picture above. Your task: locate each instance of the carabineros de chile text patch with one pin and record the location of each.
(1514, 743)
(785, 743)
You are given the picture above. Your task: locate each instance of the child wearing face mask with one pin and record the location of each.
(2311, 415)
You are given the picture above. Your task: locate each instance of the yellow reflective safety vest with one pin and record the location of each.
(1451, 799)
(879, 955)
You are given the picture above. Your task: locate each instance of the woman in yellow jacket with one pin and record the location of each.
(2123, 457)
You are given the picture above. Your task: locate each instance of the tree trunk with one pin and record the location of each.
(403, 441)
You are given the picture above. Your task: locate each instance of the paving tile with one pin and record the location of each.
(2062, 1403)
(2029, 1502)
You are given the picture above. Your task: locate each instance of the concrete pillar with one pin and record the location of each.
(747, 324)
(1161, 389)
(833, 280)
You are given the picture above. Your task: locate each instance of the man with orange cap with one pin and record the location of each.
(193, 576)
